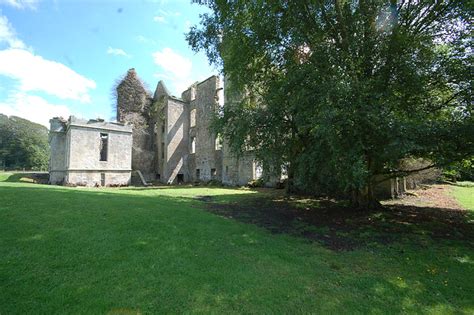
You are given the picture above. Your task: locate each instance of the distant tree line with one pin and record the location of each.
(23, 144)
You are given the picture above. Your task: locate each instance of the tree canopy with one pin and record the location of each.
(341, 91)
(23, 144)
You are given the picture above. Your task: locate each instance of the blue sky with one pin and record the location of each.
(60, 58)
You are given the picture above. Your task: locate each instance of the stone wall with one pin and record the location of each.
(133, 106)
(76, 153)
(206, 160)
(95, 179)
(85, 149)
(176, 141)
(237, 170)
(58, 148)
(164, 129)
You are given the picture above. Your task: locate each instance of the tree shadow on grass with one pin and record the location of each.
(341, 228)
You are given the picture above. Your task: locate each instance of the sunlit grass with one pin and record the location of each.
(148, 251)
(465, 195)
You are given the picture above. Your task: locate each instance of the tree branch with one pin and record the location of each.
(397, 173)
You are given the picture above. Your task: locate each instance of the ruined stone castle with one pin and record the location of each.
(172, 139)
(161, 137)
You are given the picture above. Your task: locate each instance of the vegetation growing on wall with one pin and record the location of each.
(23, 144)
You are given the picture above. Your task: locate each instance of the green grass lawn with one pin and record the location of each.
(129, 251)
(465, 196)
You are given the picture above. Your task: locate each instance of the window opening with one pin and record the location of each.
(218, 142)
(193, 144)
(192, 118)
(104, 144)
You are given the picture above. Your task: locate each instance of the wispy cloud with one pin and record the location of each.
(21, 4)
(164, 16)
(159, 18)
(144, 39)
(8, 36)
(117, 52)
(169, 13)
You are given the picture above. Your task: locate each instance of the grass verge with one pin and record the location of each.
(140, 250)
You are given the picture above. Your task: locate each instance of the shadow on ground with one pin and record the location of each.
(338, 227)
(28, 177)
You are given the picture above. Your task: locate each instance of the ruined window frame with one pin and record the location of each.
(193, 145)
(192, 118)
(104, 147)
(218, 142)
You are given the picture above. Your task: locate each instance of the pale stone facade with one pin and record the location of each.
(90, 152)
(172, 139)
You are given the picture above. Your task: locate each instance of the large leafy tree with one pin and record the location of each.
(340, 91)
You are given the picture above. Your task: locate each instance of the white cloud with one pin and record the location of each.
(7, 34)
(159, 18)
(21, 4)
(165, 15)
(176, 69)
(169, 13)
(35, 73)
(173, 62)
(33, 108)
(117, 52)
(31, 72)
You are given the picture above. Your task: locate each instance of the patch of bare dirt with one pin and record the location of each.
(436, 196)
(431, 213)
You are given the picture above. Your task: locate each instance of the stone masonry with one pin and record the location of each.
(90, 152)
(172, 139)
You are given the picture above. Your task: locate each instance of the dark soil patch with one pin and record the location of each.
(340, 228)
(204, 198)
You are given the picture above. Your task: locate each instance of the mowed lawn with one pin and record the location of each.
(147, 251)
(465, 195)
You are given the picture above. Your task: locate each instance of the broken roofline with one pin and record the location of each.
(98, 124)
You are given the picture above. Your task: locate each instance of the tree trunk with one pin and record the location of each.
(290, 184)
(364, 198)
